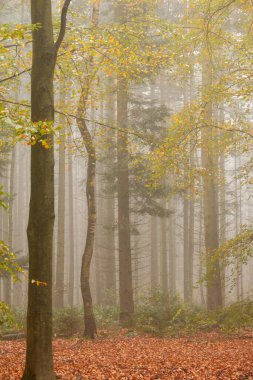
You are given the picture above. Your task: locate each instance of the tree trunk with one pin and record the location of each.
(172, 252)
(90, 329)
(210, 204)
(109, 217)
(39, 357)
(125, 262)
(186, 250)
(60, 255)
(154, 257)
(71, 229)
(163, 253)
(89, 320)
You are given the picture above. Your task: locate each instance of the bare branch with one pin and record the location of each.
(72, 116)
(15, 75)
(63, 24)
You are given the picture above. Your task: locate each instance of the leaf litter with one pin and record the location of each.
(201, 357)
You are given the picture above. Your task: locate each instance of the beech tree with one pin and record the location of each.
(39, 358)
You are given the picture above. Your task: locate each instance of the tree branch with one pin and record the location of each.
(63, 24)
(72, 116)
(15, 75)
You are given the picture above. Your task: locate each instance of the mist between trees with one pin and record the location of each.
(139, 118)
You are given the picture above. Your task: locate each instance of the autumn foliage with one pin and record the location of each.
(130, 357)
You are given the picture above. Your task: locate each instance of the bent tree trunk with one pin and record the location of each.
(39, 358)
(90, 329)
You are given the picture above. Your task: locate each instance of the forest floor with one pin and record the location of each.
(201, 356)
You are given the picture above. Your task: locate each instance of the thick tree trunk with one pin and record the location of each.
(39, 357)
(125, 262)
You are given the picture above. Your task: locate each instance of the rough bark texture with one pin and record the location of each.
(210, 202)
(125, 262)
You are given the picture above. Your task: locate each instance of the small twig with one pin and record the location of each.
(15, 75)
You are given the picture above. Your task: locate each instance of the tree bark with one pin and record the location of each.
(60, 254)
(163, 252)
(71, 229)
(210, 203)
(125, 260)
(153, 254)
(39, 357)
(90, 329)
(172, 252)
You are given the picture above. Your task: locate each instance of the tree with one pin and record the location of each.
(39, 358)
(210, 196)
(125, 259)
(90, 328)
(60, 256)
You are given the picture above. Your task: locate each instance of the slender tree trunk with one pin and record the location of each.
(136, 257)
(186, 250)
(210, 204)
(89, 320)
(222, 209)
(172, 253)
(60, 253)
(39, 357)
(154, 258)
(11, 202)
(71, 228)
(163, 253)
(90, 329)
(188, 222)
(109, 217)
(153, 253)
(125, 262)
(200, 246)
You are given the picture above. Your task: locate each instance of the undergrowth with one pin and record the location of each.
(157, 314)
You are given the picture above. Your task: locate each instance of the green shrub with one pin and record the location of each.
(106, 316)
(68, 322)
(19, 316)
(160, 313)
(236, 316)
(6, 317)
